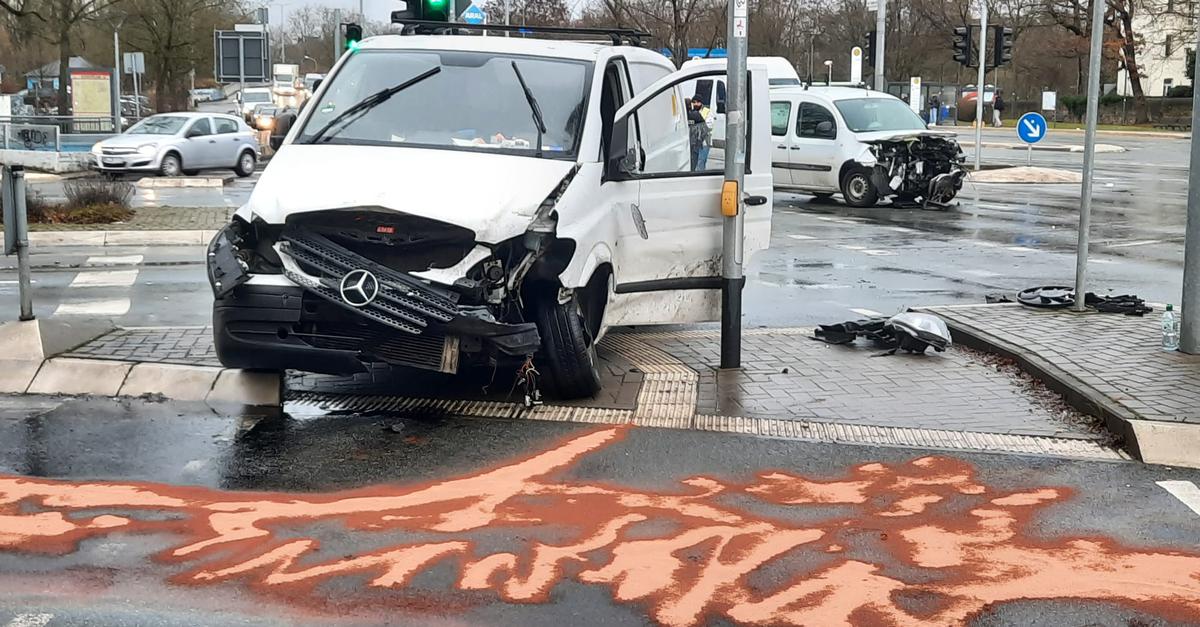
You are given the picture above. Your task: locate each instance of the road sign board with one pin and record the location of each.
(1032, 127)
(242, 56)
(474, 14)
(134, 62)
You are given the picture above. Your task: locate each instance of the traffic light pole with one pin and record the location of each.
(979, 89)
(1189, 337)
(1089, 156)
(880, 43)
(732, 204)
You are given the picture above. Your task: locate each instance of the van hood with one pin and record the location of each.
(881, 136)
(494, 195)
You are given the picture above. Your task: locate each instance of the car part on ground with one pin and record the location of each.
(924, 168)
(1059, 297)
(911, 332)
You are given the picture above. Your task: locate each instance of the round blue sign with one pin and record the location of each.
(1032, 127)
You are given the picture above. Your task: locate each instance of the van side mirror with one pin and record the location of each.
(825, 127)
(721, 107)
(279, 132)
(621, 160)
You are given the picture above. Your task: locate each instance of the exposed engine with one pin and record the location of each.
(925, 169)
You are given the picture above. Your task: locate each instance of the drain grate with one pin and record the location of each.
(803, 430)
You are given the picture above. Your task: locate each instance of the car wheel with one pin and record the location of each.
(170, 166)
(245, 164)
(568, 353)
(857, 188)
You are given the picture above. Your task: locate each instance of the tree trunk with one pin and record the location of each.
(64, 73)
(1132, 69)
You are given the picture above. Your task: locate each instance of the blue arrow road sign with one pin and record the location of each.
(1032, 127)
(473, 15)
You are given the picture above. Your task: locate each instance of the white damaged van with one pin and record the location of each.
(446, 200)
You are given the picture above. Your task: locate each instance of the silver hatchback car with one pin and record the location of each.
(180, 143)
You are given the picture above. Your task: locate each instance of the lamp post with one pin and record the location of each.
(308, 58)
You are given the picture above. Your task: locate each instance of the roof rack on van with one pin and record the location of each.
(618, 36)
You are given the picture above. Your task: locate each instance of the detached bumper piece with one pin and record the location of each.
(348, 310)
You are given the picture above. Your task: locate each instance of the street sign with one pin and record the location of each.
(1032, 127)
(914, 94)
(1049, 101)
(242, 56)
(856, 63)
(473, 14)
(134, 62)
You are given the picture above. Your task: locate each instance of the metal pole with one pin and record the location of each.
(1089, 154)
(880, 43)
(117, 83)
(733, 235)
(362, 13)
(282, 35)
(507, 14)
(979, 89)
(337, 35)
(1189, 338)
(22, 231)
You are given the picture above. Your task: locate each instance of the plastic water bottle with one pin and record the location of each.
(1170, 329)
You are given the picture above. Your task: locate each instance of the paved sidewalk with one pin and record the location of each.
(1111, 364)
(671, 375)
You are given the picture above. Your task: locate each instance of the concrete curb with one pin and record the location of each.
(1100, 148)
(122, 238)
(151, 182)
(1152, 442)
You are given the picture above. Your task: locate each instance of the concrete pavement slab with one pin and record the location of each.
(247, 388)
(16, 375)
(64, 375)
(184, 383)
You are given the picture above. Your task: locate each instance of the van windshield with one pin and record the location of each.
(474, 102)
(866, 115)
(256, 96)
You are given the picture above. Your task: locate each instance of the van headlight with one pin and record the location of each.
(147, 149)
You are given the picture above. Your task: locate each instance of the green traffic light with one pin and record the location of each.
(353, 46)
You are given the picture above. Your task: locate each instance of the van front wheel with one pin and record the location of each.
(568, 354)
(857, 188)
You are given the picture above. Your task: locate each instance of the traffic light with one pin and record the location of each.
(1003, 45)
(964, 46)
(426, 11)
(353, 36)
(869, 50)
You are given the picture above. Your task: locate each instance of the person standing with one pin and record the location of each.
(998, 107)
(699, 134)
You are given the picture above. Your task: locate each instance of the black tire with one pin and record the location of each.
(246, 164)
(857, 188)
(822, 195)
(568, 355)
(171, 165)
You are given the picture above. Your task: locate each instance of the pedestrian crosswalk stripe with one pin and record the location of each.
(1185, 491)
(105, 278)
(870, 313)
(109, 307)
(30, 620)
(115, 260)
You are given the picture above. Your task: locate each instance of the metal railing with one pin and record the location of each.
(66, 123)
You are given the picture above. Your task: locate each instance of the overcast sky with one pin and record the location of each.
(376, 10)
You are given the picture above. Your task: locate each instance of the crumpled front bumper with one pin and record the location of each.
(405, 310)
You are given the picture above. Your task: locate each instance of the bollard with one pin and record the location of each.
(16, 231)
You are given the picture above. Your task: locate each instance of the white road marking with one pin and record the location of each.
(1185, 491)
(116, 260)
(900, 229)
(984, 244)
(879, 253)
(1145, 242)
(106, 278)
(1021, 249)
(111, 307)
(30, 620)
(851, 247)
(986, 274)
(801, 237)
(1101, 261)
(869, 313)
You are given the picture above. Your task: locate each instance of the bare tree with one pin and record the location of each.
(175, 35)
(58, 23)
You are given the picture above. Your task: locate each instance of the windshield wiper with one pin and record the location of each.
(538, 121)
(370, 102)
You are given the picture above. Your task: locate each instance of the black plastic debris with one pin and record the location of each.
(910, 332)
(1058, 297)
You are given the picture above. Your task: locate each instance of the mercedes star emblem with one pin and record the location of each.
(359, 288)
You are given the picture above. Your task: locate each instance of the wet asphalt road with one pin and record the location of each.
(1096, 530)
(828, 262)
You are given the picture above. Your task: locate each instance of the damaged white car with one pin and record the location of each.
(867, 145)
(452, 200)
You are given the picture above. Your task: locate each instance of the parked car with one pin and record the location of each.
(430, 230)
(866, 145)
(180, 143)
